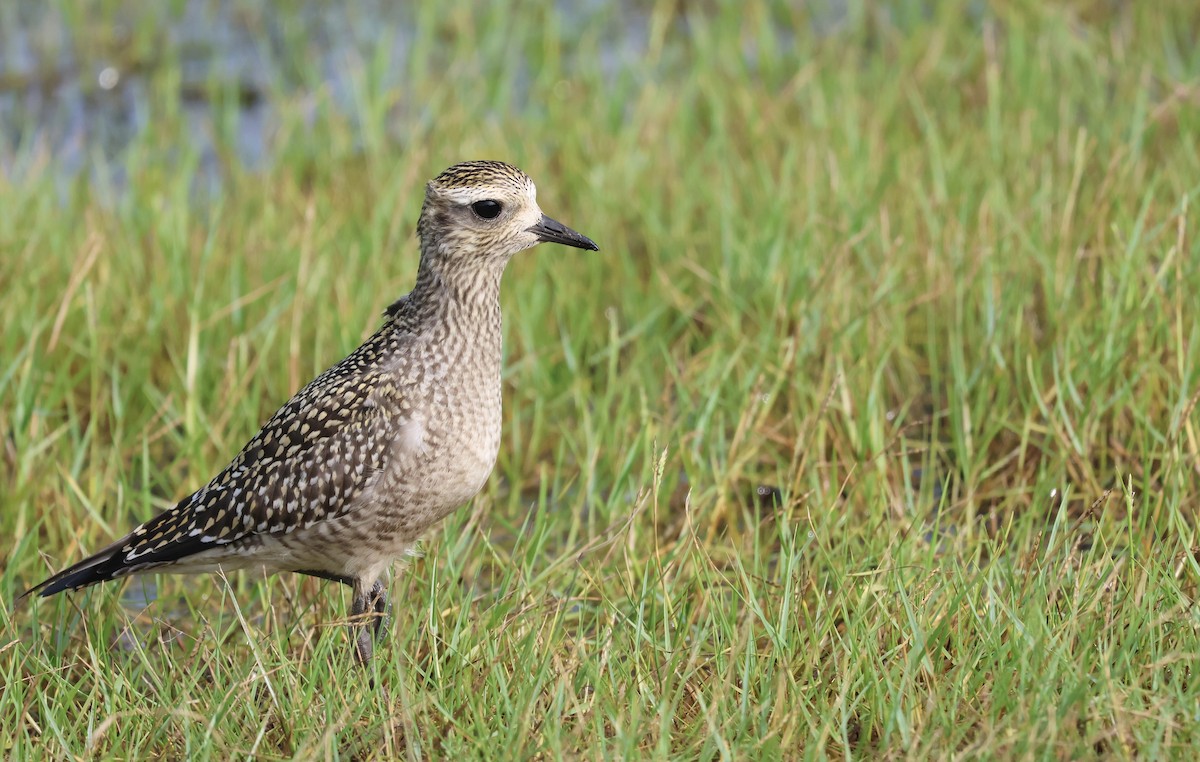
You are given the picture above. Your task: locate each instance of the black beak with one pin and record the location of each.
(553, 231)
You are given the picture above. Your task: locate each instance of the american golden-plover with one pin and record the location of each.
(346, 476)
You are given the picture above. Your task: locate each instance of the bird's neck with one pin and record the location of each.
(447, 291)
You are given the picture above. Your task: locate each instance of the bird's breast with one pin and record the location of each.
(444, 442)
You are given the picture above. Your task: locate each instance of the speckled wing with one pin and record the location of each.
(306, 465)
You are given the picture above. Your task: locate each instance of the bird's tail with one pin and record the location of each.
(101, 567)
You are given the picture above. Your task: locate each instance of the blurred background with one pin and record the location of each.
(83, 82)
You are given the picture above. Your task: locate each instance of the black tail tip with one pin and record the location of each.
(40, 590)
(61, 582)
(92, 570)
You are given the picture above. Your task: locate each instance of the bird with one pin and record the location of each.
(352, 471)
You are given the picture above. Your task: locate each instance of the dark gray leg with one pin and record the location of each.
(368, 612)
(370, 603)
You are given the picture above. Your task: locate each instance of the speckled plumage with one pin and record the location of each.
(347, 475)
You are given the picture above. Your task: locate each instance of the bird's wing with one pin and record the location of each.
(307, 464)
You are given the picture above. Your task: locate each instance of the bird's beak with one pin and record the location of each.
(553, 231)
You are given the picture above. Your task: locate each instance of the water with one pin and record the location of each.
(79, 90)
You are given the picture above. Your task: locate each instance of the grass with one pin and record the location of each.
(870, 433)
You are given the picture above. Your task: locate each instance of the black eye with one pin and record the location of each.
(486, 209)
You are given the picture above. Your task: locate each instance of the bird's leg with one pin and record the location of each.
(369, 604)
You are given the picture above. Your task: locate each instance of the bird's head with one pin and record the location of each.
(484, 212)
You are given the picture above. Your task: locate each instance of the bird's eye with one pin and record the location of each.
(486, 209)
